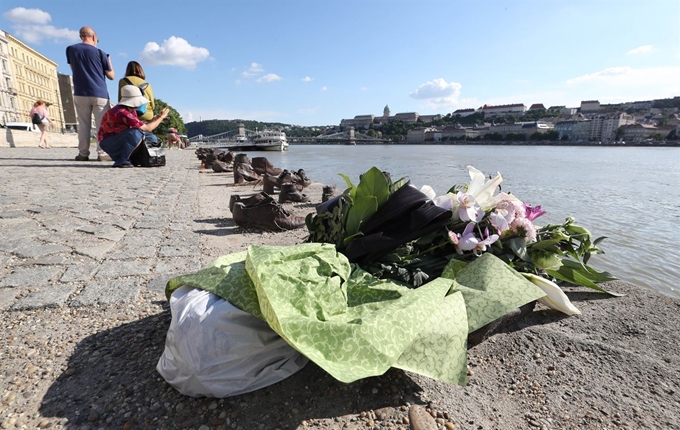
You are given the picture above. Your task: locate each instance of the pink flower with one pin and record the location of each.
(533, 212)
(524, 227)
(453, 237)
(469, 242)
(468, 209)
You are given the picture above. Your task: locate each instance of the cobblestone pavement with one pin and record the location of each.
(76, 233)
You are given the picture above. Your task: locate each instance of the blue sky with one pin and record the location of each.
(315, 62)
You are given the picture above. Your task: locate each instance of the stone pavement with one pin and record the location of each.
(76, 233)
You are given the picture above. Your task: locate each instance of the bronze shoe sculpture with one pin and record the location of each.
(303, 179)
(269, 183)
(220, 167)
(244, 173)
(247, 200)
(327, 193)
(261, 165)
(290, 194)
(243, 159)
(266, 214)
(288, 177)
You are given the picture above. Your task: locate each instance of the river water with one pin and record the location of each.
(631, 195)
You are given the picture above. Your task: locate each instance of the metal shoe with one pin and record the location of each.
(261, 165)
(290, 194)
(269, 183)
(220, 167)
(303, 179)
(327, 193)
(266, 214)
(244, 173)
(242, 158)
(247, 200)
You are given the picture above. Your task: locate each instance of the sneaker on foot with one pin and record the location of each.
(104, 157)
(82, 158)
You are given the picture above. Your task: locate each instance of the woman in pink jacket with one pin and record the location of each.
(44, 116)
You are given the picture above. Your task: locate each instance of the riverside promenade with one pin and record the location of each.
(76, 233)
(86, 250)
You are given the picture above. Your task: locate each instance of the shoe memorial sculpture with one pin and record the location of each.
(262, 166)
(208, 155)
(266, 214)
(328, 193)
(290, 194)
(247, 200)
(220, 167)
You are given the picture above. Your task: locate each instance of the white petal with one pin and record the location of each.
(555, 297)
(428, 191)
(444, 202)
(477, 179)
(485, 193)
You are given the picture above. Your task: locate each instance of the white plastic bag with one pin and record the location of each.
(214, 349)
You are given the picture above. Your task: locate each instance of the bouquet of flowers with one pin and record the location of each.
(393, 230)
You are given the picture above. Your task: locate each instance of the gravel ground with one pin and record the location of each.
(615, 366)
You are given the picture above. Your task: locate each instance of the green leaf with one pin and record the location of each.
(550, 243)
(598, 240)
(373, 183)
(578, 277)
(518, 246)
(350, 186)
(362, 210)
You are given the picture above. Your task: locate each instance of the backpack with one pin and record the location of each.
(141, 110)
(148, 154)
(36, 119)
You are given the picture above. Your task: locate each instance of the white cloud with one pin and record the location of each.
(270, 77)
(438, 93)
(174, 51)
(363, 89)
(628, 76)
(254, 70)
(21, 15)
(437, 88)
(641, 50)
(188, 117)
(307, 79)
(324, 88)
(30, 25)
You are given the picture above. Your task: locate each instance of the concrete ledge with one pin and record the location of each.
(26, 139)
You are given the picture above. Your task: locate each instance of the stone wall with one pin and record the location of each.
(25, 139)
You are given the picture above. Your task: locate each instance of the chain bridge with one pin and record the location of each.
(346, 137)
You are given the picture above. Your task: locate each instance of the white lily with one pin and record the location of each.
(480, 188)
(428, 191)
(555, 297)
(444, 201)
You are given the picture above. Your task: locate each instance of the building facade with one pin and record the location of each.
(590, 106)
(574, 130)
(9, 105)
(517, 109)
(36, 78)
(603, 127)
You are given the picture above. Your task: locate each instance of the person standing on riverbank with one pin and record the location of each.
(90, 66)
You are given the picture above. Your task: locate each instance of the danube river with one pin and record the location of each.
(631, 195)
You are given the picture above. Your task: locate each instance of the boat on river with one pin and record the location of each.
(266, 140)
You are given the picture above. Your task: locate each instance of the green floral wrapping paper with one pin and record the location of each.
(354, 325)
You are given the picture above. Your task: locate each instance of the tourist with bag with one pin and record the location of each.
(134, 75)
(40, 118)
(121, 131)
